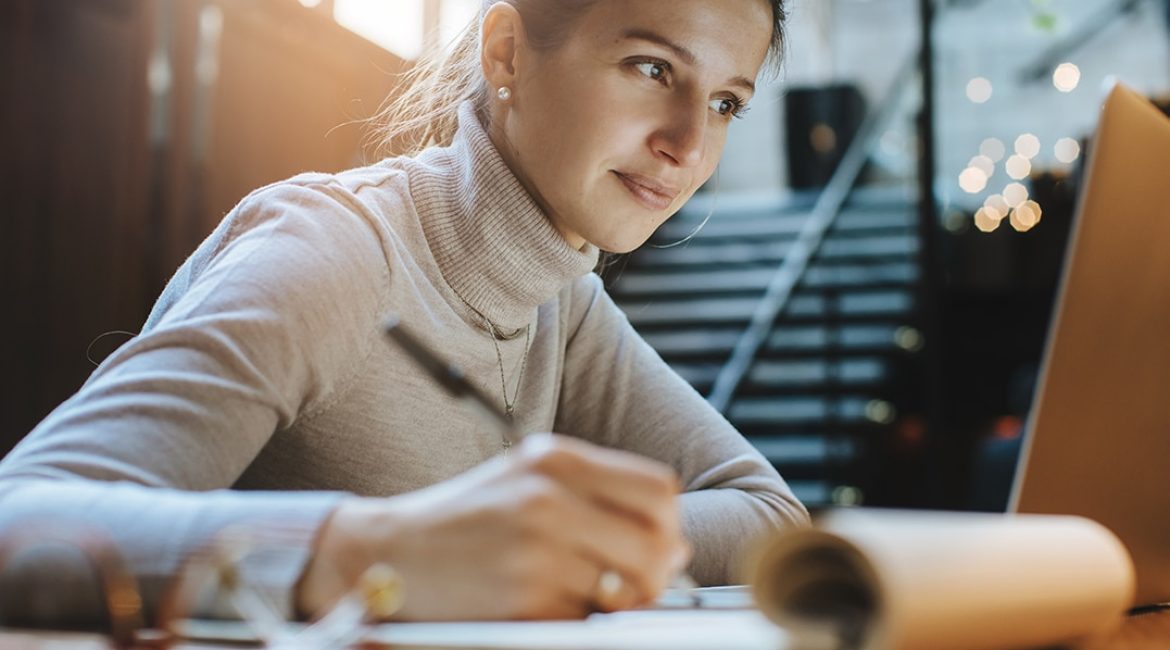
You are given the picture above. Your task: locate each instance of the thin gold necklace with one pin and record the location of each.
(509, 405)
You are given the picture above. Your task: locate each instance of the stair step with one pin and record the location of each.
(822, 337)
(850, 372)
(697, 252)
(802, 410)
(804, 449)
(699, 375)
(730, 225)
(677, 312)
(814, 374)
(892, 302)
(812, 493)
(666, 283)
(784, 339)
(698, 342)
(871, 198)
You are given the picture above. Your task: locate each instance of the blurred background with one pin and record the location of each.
(867, 301)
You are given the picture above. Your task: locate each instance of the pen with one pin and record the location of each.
(452, 378)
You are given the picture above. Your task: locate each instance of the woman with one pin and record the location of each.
(262, 366)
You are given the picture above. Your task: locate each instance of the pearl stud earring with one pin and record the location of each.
(504, 93)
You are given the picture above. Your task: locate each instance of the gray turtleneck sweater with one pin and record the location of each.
(261, 389)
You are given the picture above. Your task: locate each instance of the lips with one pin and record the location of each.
(647, 190)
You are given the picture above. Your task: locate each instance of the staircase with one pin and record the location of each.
(823, 392)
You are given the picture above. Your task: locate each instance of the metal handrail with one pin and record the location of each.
(824, 214)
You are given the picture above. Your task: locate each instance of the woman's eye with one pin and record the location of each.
(655, 71)
(729, 107)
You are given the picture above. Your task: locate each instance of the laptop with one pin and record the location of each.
(1098, 438)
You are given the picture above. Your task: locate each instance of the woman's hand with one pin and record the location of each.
(527, 535)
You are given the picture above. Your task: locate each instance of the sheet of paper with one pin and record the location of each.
(730, 597)
(634, 630)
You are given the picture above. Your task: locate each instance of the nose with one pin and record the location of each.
(682, 138)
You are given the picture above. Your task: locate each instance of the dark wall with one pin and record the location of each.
(106, 186)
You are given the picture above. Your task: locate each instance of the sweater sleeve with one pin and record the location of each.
(264, 324)
(618, 392)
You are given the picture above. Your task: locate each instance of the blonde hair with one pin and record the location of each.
(425, 112)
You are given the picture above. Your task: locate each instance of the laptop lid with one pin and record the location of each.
(1098, 439)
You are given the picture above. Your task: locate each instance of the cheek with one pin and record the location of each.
(711, 157)
(715, 146)
(577, 127)
(609, 112)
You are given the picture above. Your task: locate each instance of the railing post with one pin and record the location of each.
(941, 450)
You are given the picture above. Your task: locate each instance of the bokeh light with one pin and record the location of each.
(993, 148)
(1028, 146)
(979, 90)
(983, 164)
(1067, 150)
(1015, 194)
(995, 204)
(1023, 218)
(1018, 167)
(973, 180)
(986, 220)
(1066, 77)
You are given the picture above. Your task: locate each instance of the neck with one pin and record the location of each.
(494, 244)
(496, 132)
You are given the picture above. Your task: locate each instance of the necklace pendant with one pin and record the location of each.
(507, 445)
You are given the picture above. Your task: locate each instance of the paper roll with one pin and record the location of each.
(932, 580)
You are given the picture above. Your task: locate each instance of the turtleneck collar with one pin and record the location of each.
(494, 245)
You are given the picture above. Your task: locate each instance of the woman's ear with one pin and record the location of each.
(500, 39)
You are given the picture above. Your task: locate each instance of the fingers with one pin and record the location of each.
(637, 486)
(605, 537)
(646, 550)
(582, 587)
(529, 535)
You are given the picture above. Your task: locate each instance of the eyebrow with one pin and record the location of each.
(681, 52)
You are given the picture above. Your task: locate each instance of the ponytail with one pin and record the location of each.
(425, 113)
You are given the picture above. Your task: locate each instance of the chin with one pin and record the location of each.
(621, 244)
(624, 230)
(619, 250)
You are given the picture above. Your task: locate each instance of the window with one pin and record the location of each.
(405, 27)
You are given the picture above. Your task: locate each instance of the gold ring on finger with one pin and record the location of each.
(608, 589)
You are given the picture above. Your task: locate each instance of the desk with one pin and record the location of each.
(1142, 632)
(1149, 631)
